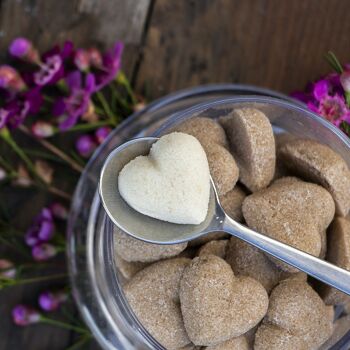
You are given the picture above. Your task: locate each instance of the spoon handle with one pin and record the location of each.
(315, 267)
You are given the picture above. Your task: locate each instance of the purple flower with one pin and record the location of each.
(102, 133)
(326, 97)
(43, 251)
(82, 59)
(15, 112)
(85, 145)
(10, 79)
(7, 269)
(111, 63)
(77, 103)
(42, 229)
(59, 211)
(42, 129)
(23, 315)
(51, 301)
(52, 67)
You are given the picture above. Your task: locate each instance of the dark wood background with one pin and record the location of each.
(173, 44)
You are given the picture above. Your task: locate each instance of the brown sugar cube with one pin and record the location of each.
(293, 212)
(271, 337)
(206, 130)
(280, 169)
(239, 343)
(252, 142)
(223, 168)
(217, 248)
(295, 308)
(132, 249)
(232, 203)
(338, 253)
(320, 164)
(341, 327)
(153, 295)
(128, 269)
(323, 235)
(246, 260)
(215, 304)
(190, 347)
(207, 238)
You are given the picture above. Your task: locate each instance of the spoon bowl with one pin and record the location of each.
(141, 226)
(156, 231)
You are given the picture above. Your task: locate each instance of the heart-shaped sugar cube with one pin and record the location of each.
(172, 183)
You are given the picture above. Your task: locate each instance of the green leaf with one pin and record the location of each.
(333, 61)
(346, 128)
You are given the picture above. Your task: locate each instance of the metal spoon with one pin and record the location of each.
(155, 231)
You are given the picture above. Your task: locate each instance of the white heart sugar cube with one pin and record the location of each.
(172, 183)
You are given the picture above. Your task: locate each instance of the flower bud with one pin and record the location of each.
(44, 170)
(43, 251)
(95, 57)
(23, 48)
(102, 133)
(59, 211)
(23, 315)
(51, 301)
(85, 145)
(82, 59)
(10, 79)
(3, 174)
(345, 80)
(7, 269)
(42, 129)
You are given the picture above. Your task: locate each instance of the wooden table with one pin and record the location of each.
(173, 44)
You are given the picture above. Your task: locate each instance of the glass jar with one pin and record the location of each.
(95, 278)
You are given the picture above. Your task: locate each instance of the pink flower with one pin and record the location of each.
(345, 80)
(23, 315)
(51, 301)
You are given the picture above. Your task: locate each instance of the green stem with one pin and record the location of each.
(14, 282)
(90, 126)
(52, 148)
(64, 325)
(122, 79)
(120, 99)
(6, 136)
(80, 342)
(106, 107)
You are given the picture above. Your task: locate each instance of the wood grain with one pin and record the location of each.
(273, 43)
(85, 22)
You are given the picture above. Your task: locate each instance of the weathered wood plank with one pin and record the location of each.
(273, 43)
(85, 22)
